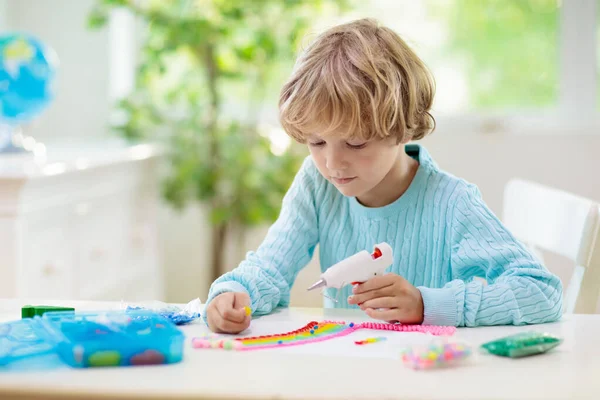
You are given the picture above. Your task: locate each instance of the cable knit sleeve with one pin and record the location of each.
(519, 289)
(268, 273)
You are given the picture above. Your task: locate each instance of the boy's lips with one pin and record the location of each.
(343, 181)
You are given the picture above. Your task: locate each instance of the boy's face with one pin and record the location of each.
(355, 167)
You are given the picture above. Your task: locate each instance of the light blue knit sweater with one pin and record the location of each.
(442, 233)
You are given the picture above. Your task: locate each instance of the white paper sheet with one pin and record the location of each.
(340, 346)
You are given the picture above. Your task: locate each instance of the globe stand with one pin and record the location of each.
(12, 141)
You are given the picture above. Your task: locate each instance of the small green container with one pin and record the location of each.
(522, 344)
(32, 311)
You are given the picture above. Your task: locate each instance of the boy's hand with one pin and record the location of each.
(229, 313)
(398, 300)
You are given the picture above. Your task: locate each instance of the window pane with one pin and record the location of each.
(485, 55)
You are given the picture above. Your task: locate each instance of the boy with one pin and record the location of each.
(357, 97)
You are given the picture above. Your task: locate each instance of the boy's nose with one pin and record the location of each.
(335, 161)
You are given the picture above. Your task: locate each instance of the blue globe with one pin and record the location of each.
(27, 77)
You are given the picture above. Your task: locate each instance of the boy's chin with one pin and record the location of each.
(349, 191)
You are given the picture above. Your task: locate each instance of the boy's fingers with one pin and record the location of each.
(230, 307)
(371, 294)
(384, 315)
(380, 302)
(236, 315)
(242, 301)
(376, 282)
(246, 322)
(233, 327)
(218, 324)
(224, 301)
(227, 312)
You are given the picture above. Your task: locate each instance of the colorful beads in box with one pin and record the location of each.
(437, 354)
(311, 333)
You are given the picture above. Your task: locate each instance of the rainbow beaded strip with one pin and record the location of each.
(311, 333)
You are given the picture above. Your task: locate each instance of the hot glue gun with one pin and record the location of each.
(357, 268)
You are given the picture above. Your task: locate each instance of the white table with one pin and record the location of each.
(332, 369)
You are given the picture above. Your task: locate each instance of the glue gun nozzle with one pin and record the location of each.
(320, 283)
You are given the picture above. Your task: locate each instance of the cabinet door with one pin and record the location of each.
(47, 254)
(142, 247)
(101, 228)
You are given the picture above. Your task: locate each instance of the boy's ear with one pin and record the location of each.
(403, 141)
(403, 138)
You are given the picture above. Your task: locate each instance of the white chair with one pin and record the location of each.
(553, 220)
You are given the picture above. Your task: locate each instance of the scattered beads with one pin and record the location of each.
(435, 355)
(148, 357)
(106, 358)
(247, 310)
(370, 340)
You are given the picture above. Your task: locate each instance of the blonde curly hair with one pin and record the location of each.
(360, 80)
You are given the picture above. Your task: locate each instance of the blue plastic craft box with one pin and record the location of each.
(93, 339)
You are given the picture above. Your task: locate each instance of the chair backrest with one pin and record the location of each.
(563, 223)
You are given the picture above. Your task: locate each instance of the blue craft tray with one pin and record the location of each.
(114, 338)
(94, 339)
(23, 339)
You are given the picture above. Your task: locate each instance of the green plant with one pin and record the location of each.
(509, 47)
(208, 67)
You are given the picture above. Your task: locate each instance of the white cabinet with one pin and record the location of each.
(80, 223)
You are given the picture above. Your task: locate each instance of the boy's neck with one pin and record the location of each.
(394, 184)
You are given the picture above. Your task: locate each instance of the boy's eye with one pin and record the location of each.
(321, 143)
(357, 146)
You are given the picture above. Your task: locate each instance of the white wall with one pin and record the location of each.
(3, 9)
(569, 162)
